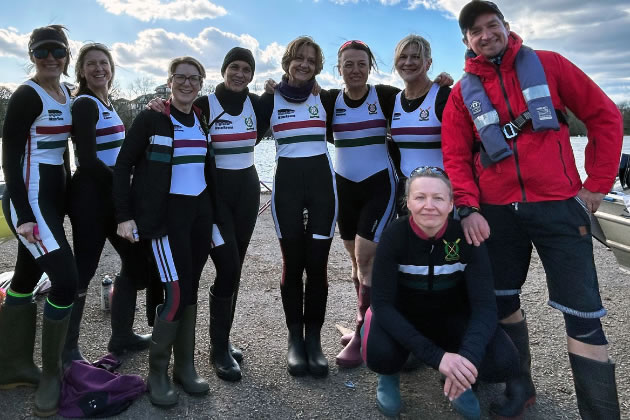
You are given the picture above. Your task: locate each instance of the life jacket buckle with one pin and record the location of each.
(510, 130)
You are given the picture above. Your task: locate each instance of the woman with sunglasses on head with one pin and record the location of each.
(97, 134)
(235, 125)
(34, 160)
(170, 207)
(433, 296)
(303, 182)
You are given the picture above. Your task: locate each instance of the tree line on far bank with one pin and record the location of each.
(143, 91)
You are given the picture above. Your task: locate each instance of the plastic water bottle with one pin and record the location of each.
(107, 287)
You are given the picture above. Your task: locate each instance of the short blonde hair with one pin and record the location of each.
(185, 60)
(93, 46)
(294, 46)
(424, 48)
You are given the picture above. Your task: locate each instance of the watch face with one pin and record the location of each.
(465, 211)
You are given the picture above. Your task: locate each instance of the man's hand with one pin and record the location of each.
(591, 199)
(156, 104)
(476, 229)
(444, 79)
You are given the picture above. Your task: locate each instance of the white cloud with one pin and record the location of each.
(147, 10)
(12, 43)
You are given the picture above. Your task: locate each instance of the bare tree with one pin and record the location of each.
(207, 89)
(5, 94)
(141, 86)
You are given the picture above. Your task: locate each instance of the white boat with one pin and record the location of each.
(611, 224)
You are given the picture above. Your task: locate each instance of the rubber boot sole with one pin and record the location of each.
(520, 415)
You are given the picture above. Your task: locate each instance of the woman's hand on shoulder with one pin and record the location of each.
(444, 79)
(128, 230)
(29, 231)
(156, 104)
(270, 86)
(460, 374)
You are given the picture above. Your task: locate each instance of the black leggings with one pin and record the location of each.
(92, 215)
(386, 356)
(239, 199)
(304, 184)
(53, 254)
(181, 255)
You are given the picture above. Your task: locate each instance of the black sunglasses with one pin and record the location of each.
(42, 52)
(424, 170)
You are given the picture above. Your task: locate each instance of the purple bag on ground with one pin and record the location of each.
(95, 390)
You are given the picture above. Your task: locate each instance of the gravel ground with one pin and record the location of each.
(268, 391)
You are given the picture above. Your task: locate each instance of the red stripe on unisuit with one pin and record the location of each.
(299, 124)
(175, 300)
(110, 130)
(416, 130)
(41, 243)
(56, 129)
(189, 143)
(361, 125)
(250, 135)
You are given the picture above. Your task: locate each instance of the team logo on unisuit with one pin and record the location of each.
(340, 112)
(372, 109)
(424, 114)
(249, 123)
(396, 116)
(451, 249)
(106, 115)
(177, 127)
(314, 111)
(55, 115)
(475, 107)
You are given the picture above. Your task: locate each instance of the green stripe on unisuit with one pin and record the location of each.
(301, 139)
(111, 145)
(180, 160)
(363, 141)
(233, 150)
(51, 144)
(419, 144)
(159, 157)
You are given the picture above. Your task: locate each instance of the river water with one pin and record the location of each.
(264, 157)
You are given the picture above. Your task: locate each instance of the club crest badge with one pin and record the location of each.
(372, 109)
(451, 250)
(249, 123)
(475, 107)
(424, 114)
(314, 111)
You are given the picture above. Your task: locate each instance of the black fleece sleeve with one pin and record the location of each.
(328, 98)
(203, 104)
(263, 114)
(387, 98)
(384, 292)
(264, 109)
(483, 307)
(440, 101)
(23, 108)
(135, 144)
(84, 119)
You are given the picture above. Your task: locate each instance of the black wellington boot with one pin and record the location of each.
(220, 321)
(519, 390)
(184, 371)
(123, 338)
(161, 390)
(237, 353)
(17, 338)
(49, 389)
(595, 388)
(71, 349)
(314, 312)
(293, 304)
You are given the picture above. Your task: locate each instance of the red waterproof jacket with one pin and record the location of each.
(542, 167)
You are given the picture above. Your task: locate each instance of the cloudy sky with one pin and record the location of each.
(145, 34)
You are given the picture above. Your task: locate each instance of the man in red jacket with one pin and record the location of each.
(508, 154)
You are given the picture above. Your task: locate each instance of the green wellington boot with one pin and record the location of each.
(184, 371)
(161, 390)
(71, 350)
(49, 389)
(595, 388)
(17, 332)
(123, 337)
(225, 366)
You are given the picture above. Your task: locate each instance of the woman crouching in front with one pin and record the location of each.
(170, 205)
(433, 296)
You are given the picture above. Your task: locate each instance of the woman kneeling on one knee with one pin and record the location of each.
(432, 295)
(170, 206)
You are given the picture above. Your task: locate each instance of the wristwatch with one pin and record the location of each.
(466, 211)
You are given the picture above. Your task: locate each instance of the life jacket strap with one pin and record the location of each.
(512, 128)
